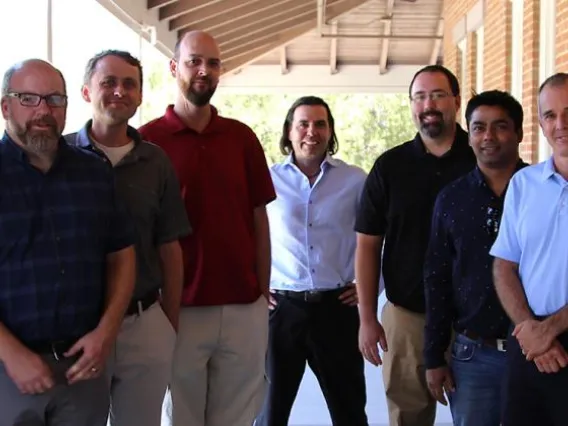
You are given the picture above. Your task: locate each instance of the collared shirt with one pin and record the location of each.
(224, 177)
(311, 227)
(457, 271)
(533, 234)
(57, 229)
(397, 203)
(147, 185)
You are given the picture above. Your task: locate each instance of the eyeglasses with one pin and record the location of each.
(492, 221)
(33, 99)
(433, 96)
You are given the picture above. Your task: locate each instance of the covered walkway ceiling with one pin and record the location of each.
(280, 36)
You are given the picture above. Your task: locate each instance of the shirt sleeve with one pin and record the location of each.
(372, 212)
(172, 223)
(121, 231)
(438, 288)
(259, 180)
(507, 245)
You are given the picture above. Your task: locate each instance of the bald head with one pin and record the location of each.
(193, 40)
(31, 68)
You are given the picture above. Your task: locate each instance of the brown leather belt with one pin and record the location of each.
(499, 344)
(311, 296)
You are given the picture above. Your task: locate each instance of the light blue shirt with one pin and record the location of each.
(534, 234)
(312, 228)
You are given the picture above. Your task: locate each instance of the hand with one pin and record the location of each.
(349, 295)
(94, 348)
(29, 372)
(534, 337)
(372, 333)
(552, 360)
(271, 302)
(440, 380)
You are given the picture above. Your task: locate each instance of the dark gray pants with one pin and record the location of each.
(85, 403)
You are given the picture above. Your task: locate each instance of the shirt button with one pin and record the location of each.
(57, 239)
(311, 201)
(313, 270)
(311, 247)
(62, 271)
(310, 224)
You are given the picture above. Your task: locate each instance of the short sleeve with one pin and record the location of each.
(372, 211)
(259, 181)
(507, 245)
(172, 221)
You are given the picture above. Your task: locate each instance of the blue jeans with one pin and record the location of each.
(479, 372)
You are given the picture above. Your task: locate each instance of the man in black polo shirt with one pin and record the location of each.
(140, 366)
(67, 264)
(457, 272)
(393, 227)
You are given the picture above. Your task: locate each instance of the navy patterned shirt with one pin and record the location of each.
(56, 229)
(458, 278)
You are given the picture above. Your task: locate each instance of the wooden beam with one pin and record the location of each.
(437, 43)
(219, 12)
(244, 27)
(283, 61)
(233, 62)
(333, 49)
(182, 7)
(154, 4)
(279, 21)
(387, 30)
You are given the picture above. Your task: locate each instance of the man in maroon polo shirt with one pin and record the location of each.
(219, 364)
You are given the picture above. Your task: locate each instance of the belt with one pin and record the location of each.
(499, 344)
(311, 296)
(137, 306)
(57, 348)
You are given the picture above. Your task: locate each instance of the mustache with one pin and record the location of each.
(46, 120)
(431, 113)
(205, 79)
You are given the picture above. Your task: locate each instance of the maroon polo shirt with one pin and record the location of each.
(223, 176)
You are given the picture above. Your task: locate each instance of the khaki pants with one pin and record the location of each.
(219, 366)
(140, 368)
(404, 374)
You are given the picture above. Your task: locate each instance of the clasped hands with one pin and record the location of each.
(538, 343)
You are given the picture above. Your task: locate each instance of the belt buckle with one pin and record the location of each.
(312, 296)
(501, 345)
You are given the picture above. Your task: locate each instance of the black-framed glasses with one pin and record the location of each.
(33, 99)
(492, 220)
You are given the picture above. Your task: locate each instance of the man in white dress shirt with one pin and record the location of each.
(313, 317)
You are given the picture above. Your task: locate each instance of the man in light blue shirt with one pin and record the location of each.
(531, 273)
(313, 315)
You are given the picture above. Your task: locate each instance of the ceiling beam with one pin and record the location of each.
(154, 4)
(387, 31)
(234, 62)
(437, 43)
(333, 49)
(283, 61)
(182, 7)
(218, 12)
(278, 22)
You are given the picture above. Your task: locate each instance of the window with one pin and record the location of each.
(24, 31)
(480, 36)
(462, 67)
(547, 59)
(517, 49)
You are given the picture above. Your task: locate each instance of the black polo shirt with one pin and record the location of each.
(397, 203)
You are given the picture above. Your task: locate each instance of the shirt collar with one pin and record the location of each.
(461, 141)
(83, 139)
(175, 124)
(329, 160)
(548, 170)
(480, 179)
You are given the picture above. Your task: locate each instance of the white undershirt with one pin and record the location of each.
(115, 154)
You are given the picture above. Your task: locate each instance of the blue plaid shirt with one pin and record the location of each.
(56, 230)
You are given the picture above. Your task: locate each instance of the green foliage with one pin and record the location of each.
(366, 125)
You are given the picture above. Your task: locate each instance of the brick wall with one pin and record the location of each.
(497, 24)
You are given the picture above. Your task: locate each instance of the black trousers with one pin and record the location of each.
(325, 335)
(533, 398)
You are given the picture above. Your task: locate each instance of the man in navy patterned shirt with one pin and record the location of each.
(67, 264)
(457, 272)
